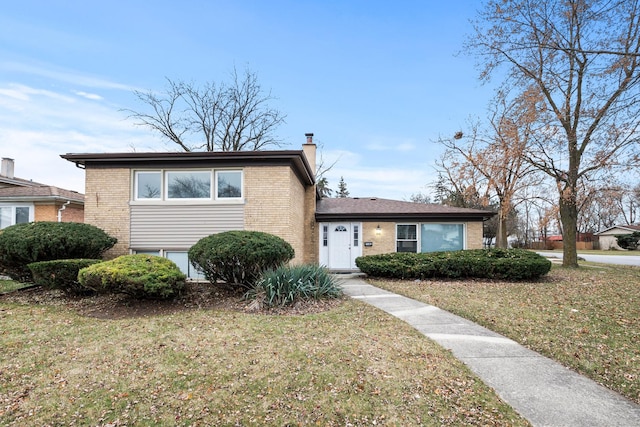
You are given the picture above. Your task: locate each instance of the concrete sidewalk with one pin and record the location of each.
(541, 390)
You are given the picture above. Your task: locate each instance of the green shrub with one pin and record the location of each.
(239, 257)
(629, 241)
(22, 244)
(140, 276)
(286, 284)
(61, 274)
(508, 264)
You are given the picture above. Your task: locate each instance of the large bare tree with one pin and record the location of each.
(496, 154)
(583, 57)
(232, 116)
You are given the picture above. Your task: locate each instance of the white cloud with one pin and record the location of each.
(92, 96)
(38, 125)
(63, 75)
(401, 147)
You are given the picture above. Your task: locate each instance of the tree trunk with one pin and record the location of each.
(501, 235)
(569, 219)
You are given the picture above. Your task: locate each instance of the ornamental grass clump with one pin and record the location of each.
(287, 284)
(139, 276)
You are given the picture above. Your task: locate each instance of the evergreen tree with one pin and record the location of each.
(323, 188)
(342, 188)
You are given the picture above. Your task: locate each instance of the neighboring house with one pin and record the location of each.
(163, 203)
(607, 237)
(23, 201)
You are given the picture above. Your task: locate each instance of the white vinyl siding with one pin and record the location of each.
(181, 226)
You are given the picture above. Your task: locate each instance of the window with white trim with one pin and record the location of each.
(148, 185)
(406, 238)
(12, 215)
(197, 185)
(228, 184)
(188, 185)
(429, 237)
(325, 235)
(182, 261)
(441, 237)
(356, 236)
(180, 258)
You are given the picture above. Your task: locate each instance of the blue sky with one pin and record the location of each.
(376, 81)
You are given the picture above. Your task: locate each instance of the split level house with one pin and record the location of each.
(22, 200)
(163, 203)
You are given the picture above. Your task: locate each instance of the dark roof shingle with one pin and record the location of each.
(376, 208)
(43, 192)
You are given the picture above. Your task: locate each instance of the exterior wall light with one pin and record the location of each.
(378, 230)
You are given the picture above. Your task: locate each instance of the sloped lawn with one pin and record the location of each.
(587, 319)
(9, 285)
(64, 362)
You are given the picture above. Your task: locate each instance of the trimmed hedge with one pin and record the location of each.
(61, 274)
(508, 264)
(139, 276)
(239, 257)
(22, 244)
(287, 284)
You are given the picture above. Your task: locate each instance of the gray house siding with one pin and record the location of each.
(180, 226)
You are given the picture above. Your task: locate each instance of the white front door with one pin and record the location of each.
(340, 245)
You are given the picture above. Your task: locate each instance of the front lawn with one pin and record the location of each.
(9, 285)
(348, 365)
(587, 319)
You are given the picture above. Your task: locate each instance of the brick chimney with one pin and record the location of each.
(6, 169)
(309, 149)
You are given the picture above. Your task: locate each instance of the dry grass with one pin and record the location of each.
(9, 285)
(348, 365)
(588, 319)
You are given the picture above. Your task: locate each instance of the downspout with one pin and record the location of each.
(64, 206)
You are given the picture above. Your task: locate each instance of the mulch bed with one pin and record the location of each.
(196, 295)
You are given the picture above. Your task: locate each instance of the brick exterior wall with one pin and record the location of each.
(49, 212)
(277, 203)
(311, 242)
(474, 235)
(46, 212)
(107, 193)
(385, 242)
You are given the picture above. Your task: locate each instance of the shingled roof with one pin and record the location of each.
(39, 193)
(359, 208)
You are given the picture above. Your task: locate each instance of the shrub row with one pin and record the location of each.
(508, 264)
(64, 256)
(22, 244)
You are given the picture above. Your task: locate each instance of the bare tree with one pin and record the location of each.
(420, 197)
(497, 154)
(232, 116)
(322, 167)
(583, 58)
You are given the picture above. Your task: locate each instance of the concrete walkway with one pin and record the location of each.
(541, 390)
